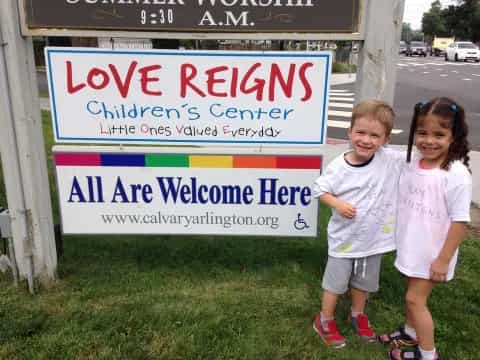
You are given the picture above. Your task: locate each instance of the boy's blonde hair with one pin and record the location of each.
(376, 109)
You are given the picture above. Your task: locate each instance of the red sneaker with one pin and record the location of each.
(328, 332)
(362, 328)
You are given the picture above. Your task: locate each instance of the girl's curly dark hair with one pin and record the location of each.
(454, 115)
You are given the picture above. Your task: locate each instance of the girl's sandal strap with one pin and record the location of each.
(399, 354)
(397, 338)
(411, 354)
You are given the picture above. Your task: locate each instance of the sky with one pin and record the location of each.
(414, 10)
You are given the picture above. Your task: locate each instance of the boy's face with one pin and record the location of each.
(366, 137)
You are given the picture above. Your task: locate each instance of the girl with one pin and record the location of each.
(435, 191)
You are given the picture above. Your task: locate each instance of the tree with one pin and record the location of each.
(433, 23)
(461, 21)
(470, 14)
(410, 35)
(406, 32)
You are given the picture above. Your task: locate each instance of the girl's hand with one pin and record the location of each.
(345, 209)
(438, 270)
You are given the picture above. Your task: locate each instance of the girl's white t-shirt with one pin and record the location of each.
(429, 200)
(372, 190)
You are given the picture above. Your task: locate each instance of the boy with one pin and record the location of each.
(360, 187)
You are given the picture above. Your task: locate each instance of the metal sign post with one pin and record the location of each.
(377, 66)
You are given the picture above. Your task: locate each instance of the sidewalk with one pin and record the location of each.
(335, 147)
(339, 79)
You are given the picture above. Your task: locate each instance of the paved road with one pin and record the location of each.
(422, 79)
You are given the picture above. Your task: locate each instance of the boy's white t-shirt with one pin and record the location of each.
(429, 201)
(372, 190)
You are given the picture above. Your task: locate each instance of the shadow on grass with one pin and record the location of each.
(198, 255)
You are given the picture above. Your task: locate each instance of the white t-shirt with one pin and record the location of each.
(372, 190)
(428, 202)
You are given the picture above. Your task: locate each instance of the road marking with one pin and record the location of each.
(421, 64)
(345, 94)
(467, 79)
(426, 72)
(346, 124)
(443, 75)
(338, 91)
(341, 99)
(341, 105)
(475, 74)
(455, 71)
(338, 124)
(440, 64)
(339, 113)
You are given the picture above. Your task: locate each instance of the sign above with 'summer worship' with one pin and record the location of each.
(188, 97)
(185, 193)
(233, 16)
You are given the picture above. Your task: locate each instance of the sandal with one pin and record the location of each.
(398, 338)
(413, 354)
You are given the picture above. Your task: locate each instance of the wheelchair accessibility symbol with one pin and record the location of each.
(299, 223)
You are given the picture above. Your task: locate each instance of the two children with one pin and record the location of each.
(434, 194)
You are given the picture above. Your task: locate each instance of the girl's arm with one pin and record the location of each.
(456, 234)
(343, 208)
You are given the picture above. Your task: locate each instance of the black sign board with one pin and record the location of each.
(217, 16)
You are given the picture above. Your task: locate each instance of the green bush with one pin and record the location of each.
(339, 67)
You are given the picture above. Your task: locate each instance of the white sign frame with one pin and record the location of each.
(88, 99)
(82, 212)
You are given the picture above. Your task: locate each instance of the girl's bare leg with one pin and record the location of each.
(418, 314)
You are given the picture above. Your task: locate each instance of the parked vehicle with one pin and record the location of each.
(403, 47)
(440, 44)
(462, 50)
(416, 48)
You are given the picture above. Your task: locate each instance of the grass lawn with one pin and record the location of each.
(179, 297)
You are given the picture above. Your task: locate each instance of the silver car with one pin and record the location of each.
(416, 48)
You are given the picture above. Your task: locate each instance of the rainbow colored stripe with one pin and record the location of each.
(189, 160)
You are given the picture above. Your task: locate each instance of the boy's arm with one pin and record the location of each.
(456, 235)
(343, 208)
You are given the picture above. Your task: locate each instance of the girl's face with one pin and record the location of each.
(433, 138)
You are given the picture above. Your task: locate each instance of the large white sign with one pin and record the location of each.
(188, 97)
(118, 193)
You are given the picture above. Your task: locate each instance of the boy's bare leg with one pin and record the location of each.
(418, 292)
(359, 299)
(359, 319)
(329, 303)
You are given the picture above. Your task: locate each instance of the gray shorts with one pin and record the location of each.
(361, 273)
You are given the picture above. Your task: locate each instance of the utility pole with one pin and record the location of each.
(23, 153)
(377, 67)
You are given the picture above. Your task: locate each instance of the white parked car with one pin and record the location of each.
(462, 50)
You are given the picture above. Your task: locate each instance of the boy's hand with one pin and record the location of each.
(345, 209)
(438, 270)
(342, 207)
